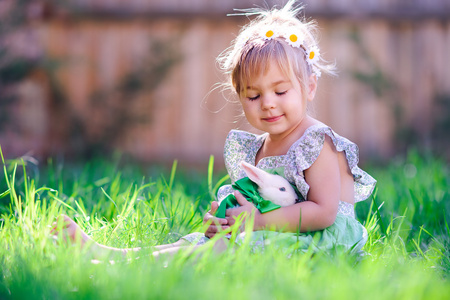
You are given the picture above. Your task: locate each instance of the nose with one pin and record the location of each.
(268, 102)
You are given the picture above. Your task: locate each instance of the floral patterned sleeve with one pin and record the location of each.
(308, 147)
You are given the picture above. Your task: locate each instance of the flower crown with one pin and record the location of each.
(312, 54)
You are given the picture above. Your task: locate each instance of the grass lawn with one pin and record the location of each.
(407, 255)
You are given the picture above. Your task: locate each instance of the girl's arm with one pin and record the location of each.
(319, 212)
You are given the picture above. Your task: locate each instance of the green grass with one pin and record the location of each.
(407, 255)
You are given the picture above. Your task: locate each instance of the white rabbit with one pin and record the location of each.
(270, 186)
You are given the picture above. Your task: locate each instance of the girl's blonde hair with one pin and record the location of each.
(251, 53)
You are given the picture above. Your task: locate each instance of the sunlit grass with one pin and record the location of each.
(406, 257)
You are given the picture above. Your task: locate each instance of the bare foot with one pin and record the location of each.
(70, 231)
(66, 228)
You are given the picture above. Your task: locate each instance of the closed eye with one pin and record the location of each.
(253, 98)
(282, 189)
(281, 93)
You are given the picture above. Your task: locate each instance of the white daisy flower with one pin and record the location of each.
(312, 55)
(269, 33)
(294, 40)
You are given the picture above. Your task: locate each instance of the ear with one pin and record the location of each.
(312, 87)
(256, 175)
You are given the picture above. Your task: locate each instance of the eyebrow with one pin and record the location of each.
(272, 85)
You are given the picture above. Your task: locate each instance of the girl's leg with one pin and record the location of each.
(219, 246)
(72, 232)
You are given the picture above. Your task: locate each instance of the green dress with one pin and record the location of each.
(346, 233)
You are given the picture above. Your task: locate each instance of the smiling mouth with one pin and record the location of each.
(272, 119)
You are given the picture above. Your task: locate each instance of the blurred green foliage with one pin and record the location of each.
(408, 134)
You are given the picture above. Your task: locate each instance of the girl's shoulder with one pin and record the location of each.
(240, 146)
(306, 150)
(243, 141)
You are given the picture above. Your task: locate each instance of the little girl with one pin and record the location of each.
(273, 67)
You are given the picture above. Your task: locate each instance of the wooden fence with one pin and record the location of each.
(388, 61)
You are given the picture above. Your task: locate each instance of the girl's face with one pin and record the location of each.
(274, 104)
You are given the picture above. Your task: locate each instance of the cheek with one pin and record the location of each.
(247, 112)
(248, 106)
(250, 113)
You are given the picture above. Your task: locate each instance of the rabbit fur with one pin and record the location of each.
(271, 187)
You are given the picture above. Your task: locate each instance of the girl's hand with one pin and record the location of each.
(245, 206)
(216, 224)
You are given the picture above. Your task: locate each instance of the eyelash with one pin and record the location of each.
(256, 97)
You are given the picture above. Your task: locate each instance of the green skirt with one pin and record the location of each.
(346, 234)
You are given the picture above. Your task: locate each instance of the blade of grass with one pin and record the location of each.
(210, 176)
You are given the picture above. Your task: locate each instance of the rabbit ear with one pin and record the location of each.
(256, 175)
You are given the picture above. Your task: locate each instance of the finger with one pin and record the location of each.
(210, 219)
(213, 230)
(210, 234)
(214, 207)
(240, 198)
(209, 216)
(231, 220)
(217, 228)
(218, 221)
